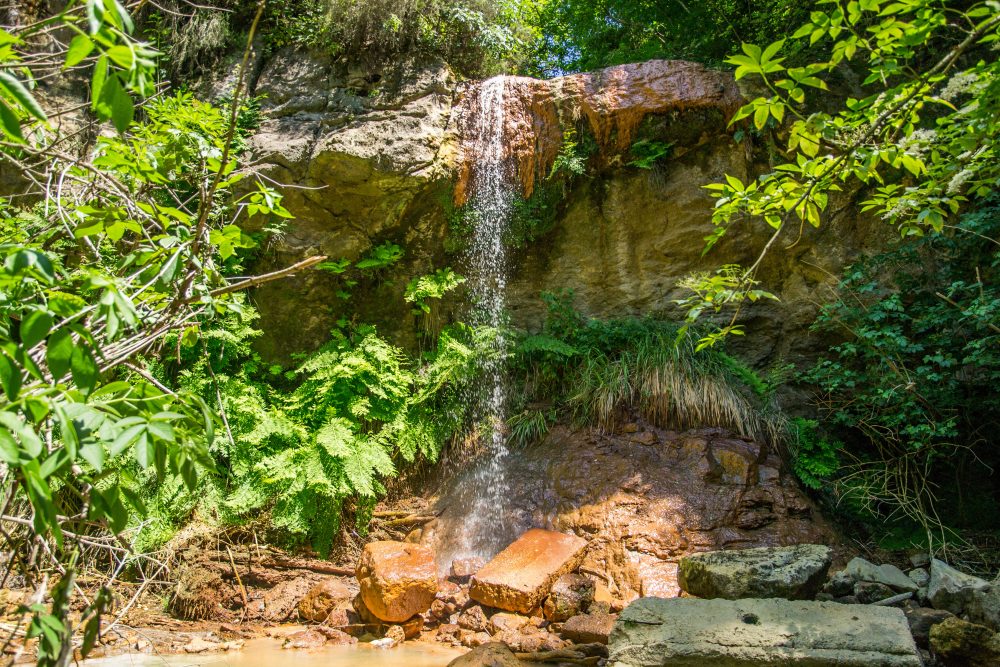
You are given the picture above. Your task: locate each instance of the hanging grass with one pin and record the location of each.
(600, 372)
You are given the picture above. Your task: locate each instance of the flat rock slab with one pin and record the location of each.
(520, 576)
(654, 632)
(795, 572)
(397, 579)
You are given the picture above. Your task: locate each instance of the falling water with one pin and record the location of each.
(485, 532)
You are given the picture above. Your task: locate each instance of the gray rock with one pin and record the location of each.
(920, 560)
(984, 607)
(839, 585)
(921, 620)
(795, 572)
(950, 589)
(920, 577)
(654, 632)
(862, 570)
(868, 592)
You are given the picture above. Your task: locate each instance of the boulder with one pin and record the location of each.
(740, 633)
(795, 572)
(950, 589)
(322, 599)
(520, 576)
(493, 654)
(398, 580)
(336, 637)
(984, 607)
(839, 585)
(889, 575)
(963, 644)
(304, 639)
(281, 601)
(474, 618)
(589, 628)
(921, 620)
(571, 595)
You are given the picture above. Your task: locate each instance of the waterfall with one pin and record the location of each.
(492, 188)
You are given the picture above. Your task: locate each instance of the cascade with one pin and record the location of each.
(492, 187)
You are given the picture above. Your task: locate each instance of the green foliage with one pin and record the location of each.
(571, 159)
(648, 153)
(380, 258)
(920, 137)
(814, 457)
(580, 35)
(912, 387)
(597, 370)
(431, 286)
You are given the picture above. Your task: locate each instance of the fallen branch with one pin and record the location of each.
(264, 278)
(895, 599)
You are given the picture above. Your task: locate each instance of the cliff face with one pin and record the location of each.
(368, 159)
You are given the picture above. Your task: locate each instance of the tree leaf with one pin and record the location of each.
(59, 353)
(79, 48)
(35, 327)
(21, 95)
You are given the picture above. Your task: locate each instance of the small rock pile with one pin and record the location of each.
(529, 598)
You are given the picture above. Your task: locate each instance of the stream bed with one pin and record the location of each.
(267, 652)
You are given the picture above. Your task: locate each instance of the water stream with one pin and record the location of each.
(487, 529)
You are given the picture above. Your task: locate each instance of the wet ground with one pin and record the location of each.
(267, 652)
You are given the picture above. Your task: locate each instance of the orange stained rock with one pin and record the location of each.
(398, 580)
(613, 101)
(520, 576)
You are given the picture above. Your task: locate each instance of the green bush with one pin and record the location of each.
(912, 386)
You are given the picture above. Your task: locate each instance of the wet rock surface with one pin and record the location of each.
(398, 580)
(520, 576)
(680, 631)
(643, 507)
(794, 572)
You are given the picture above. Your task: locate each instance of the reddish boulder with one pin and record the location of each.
(322, 599)
(398, 580)
(304, 639)
(589, 628)
(520, 576)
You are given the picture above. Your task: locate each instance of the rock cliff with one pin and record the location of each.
(370, 158)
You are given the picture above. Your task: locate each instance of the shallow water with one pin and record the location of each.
(268, 653)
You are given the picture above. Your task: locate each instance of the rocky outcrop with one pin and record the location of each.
(654, 632)
(398, 580)
(365, 162)
(643, 506)
(520, 576)
(795, 572)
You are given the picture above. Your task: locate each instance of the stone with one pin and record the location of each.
(890, 575)
(471, 638)
(950, 589)
(336, 637)
(839, 585)
(920, 560)
(921, 620)
(304, 639)
(735, 633)
(398, 580)
(322, 599)
(443, 610)
(520, 576)
(867, 592)
(413, 627)
(590, 628)
(492, 654)
(201, 645)
(960, 643)
(920, 577)
(571, 595)
(506, 621)
(522, 641)
(474, 618)
(447, 631)
(396, 633)
(462, 569)
(795, 572)
(984, 607)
